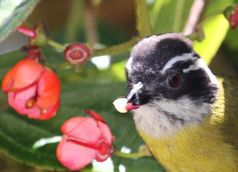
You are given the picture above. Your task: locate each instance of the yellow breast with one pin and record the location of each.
(195, 149)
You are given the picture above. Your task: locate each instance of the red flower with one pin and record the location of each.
(234, 18)
(85, 139)
(231, 13)
(77, 53)
(33, 90)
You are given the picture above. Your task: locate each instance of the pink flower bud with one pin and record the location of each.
(77, 53)
(33, 90)
(27, 31)
(84, 139)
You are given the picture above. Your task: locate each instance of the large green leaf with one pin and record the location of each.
(169, 15)
(17, 133)
(215, 27)
(13, 13)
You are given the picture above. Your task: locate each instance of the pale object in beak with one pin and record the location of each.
(122, 105)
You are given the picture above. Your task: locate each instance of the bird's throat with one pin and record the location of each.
(165, 118)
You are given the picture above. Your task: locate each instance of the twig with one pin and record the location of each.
(136, 155)
(116, 49)
(91, 32)
(194, 16)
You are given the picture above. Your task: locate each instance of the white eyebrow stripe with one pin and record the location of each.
(200, 64)
(183, 57)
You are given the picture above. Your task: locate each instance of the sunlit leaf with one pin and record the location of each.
(13, 13)
(169, 15)
(215, 29)
(214, 7)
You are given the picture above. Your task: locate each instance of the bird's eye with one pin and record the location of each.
(174, 80)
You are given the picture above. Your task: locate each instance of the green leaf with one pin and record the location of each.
(18, 133)
(216, 7)
(169, 15)
(13, 13)
(215, 29)
(142, 19)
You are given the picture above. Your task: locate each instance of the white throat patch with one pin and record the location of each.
(166, 117)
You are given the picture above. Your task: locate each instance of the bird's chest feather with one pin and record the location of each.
(195, 148)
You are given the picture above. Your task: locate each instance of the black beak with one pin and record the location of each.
(137, 95)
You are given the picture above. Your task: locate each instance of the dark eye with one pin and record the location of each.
(174, 80)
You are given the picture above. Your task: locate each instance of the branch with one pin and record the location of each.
(116, 49)
(194, 17)
(91, 32)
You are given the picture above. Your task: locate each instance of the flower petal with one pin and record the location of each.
(82, 128)
(48, 89)
(7, 81)
(104, 150)
(51, 112)
(106, 132)
(18, 100)
(25, 73)
(11, 102)
(33, 113)
(74, 156)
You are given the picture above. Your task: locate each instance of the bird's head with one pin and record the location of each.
(169, 82)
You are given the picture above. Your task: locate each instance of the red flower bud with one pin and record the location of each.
(84, 139)
(33, 52)
(77, 53)
(33, 90)
(231, 13)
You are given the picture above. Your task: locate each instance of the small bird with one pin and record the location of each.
(187, 117)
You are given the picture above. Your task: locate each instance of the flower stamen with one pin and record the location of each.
(30, 103)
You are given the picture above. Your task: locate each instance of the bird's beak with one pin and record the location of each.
(130, 106)
(124, 105)
(136, 97)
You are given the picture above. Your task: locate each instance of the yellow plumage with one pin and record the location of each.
(209, 146)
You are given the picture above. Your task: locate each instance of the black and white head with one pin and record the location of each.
(170, 82)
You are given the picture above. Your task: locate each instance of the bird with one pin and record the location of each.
(187, 117)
